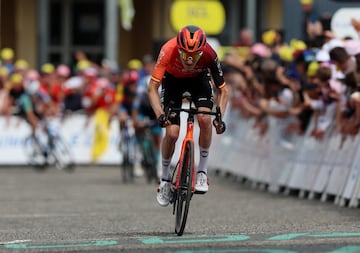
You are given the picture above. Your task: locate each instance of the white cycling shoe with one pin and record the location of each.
(163, 193)
(202, 185)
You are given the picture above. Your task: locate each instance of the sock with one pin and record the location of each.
(204, 153)
(166, 169)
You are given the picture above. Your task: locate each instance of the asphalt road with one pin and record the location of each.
(91, 210)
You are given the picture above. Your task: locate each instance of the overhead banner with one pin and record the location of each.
(209, 15)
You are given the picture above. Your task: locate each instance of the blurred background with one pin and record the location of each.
(53, 30)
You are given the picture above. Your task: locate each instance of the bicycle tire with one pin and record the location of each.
(128, 163)
(149, 159)
(35, 154)
(61, 154)
(184, 193)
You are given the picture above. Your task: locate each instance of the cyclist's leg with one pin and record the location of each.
(168, 148)
(202, 95)
(172, 89)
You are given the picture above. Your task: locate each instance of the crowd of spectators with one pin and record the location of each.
(82, 88)
(317, 79)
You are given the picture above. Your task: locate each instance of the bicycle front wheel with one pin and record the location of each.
(35, 153)
(184, 193)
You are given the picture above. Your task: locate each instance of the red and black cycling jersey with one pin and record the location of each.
(169, 61)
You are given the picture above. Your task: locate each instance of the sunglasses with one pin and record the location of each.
(190, 56)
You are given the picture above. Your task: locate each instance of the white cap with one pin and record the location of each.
(322, 56)
(332, 44)
(32, 87)
(74, 82)
(352, 46)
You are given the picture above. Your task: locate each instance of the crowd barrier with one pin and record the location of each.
(75, 129)
(311, 168)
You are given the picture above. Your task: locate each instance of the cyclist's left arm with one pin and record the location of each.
(218, 78)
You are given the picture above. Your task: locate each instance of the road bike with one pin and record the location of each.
(128, 150)
(182, 185)
(47, 147)
(150, 153)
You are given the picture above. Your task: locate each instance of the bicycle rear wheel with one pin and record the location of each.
(184, 193)
(149, 160)
(128, 161)
(60, 152)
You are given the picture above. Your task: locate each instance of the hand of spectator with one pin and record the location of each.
(307, 100)
(296, 110)
(356, 24)
(317, 134)
(263, 103)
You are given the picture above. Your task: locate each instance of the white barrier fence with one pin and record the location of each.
(311, 168)
(76, 131)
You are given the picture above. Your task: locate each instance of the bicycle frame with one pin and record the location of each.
(183, 183)
(189, 137)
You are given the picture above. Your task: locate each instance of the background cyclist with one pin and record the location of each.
(144, 116)
(187, 63)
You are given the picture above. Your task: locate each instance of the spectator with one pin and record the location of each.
(7, 57)
(245, 39)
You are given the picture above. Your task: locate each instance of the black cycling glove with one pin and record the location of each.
(162, 120)
(219, 126)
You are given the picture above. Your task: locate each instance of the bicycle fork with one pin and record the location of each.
(188, 138)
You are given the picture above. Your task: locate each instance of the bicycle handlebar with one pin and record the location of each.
(219, 125)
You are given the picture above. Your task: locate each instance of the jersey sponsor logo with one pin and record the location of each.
(218, 66)
(161, 55)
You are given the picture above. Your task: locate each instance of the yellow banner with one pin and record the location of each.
(101, 134)
(207, 14)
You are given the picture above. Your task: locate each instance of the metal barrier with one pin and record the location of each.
(315, 169)
(310, 168)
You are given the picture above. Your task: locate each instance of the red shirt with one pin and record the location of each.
(106, 99)
(169, 61)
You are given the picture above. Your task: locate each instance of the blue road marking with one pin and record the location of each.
(347, 249)
(189, 239)
(284, 237)
(235, 251)
(196, 239)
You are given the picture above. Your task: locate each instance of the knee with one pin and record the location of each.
(172, 135)
(204, 121)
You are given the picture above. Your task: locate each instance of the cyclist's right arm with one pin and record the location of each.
(154, 98)
(155, 81)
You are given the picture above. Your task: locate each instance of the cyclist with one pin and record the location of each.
(141, 112)
(129, 84)
(187, 63)
(31, 101)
